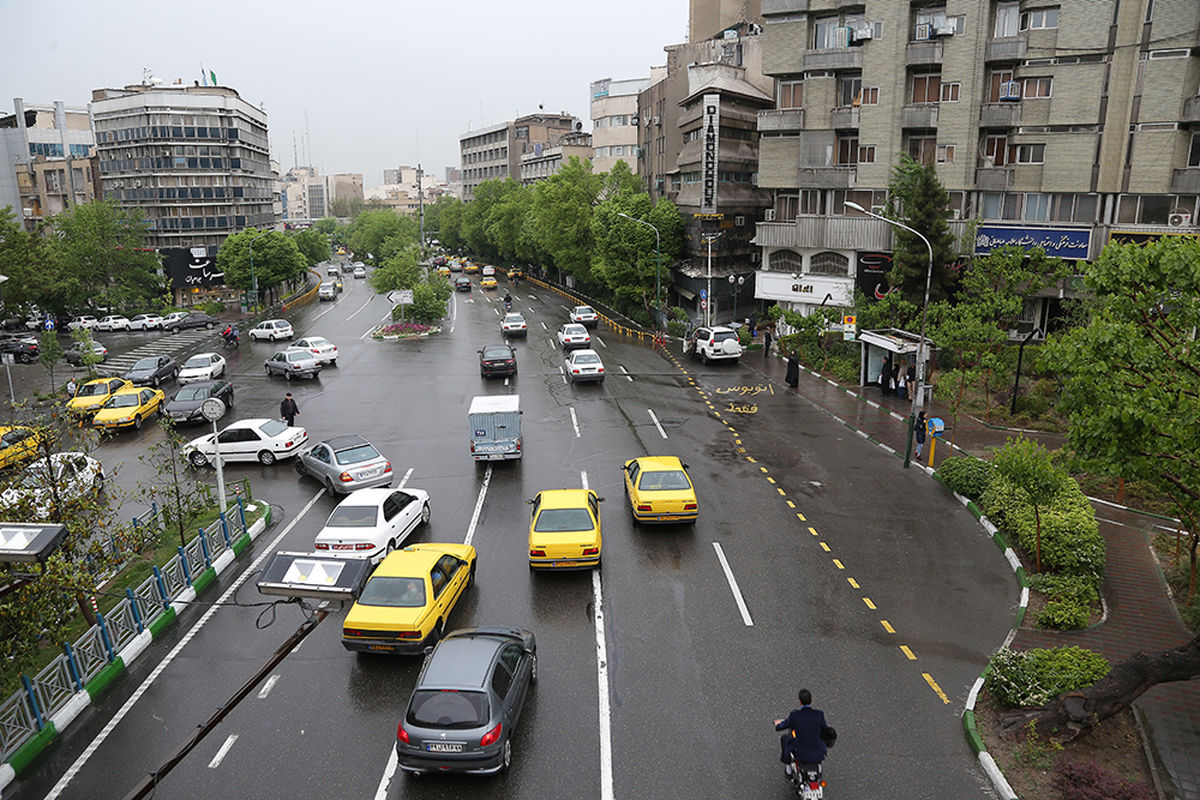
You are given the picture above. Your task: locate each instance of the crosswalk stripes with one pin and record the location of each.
(171, 344)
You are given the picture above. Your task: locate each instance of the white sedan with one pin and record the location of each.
(76, 475)
(261, 440)
(145, 322)
(171, 318)
(201, 367)
(584, 365)
(322, 349)
(84, 321)
(585, 315)
(513, 325)
(370, 523)
(574, 336)
(272, 329)
(114, 322)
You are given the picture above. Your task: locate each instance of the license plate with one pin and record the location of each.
(566, 563)
(444, 747)
(386, 647)
(668, 518)
(371, 473)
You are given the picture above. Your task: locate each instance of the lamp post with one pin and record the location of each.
(657, 260)
(736, 282)
(918, 400)
(708, 302)
(254, 277)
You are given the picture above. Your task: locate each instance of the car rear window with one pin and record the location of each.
(559, 520)
(353, 517)
(587, 358)
(192, 393)
(357, 454)
(149, 362)
(720, 336)
(663, 481)
(272, 427)
(448, 709)
(393, 592)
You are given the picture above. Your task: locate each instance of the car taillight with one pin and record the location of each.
(408, 635)
(643, 507)
(591, 551)
(689, 506)
(345, 477)
(315, 350)
(321, 546)
(472, 447)
(388, 467)
(364, 546)
(575, 371)
(402, 734)
(539, 553)
(491, 736)
(600, 369)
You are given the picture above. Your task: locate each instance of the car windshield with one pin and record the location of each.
(192, 393)
(353, 517)
(272, 427)
(197, 362)
(393, 593)
(93, 389)
(720, 336)
(665, 481)
(122, 401)
(560, 520)
(150, 362)
(448, 708)
(586, 358)
(357, 454)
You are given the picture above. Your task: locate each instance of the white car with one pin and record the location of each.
(113, 323)
(324, 350)
(85, 321)
(360, 272)
(513, 325)
(201, 367)
(574, 336)
(272, 329)
(370, 523)
(145, 322)
(487, 272)
(76, 476)
(714, 344)
(171, 319)
(585, 315)
(261, 440)
(584, 365)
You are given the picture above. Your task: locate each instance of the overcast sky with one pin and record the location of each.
(378, 83)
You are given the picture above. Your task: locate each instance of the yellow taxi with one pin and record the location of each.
(488, 283)
(93, 394)
(18, 444)
(660, 490)
(470, 267)
(405, 604)
(564, 532)
(444, 270)
(128, 408)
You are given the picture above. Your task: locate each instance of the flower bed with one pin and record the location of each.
(405, 330)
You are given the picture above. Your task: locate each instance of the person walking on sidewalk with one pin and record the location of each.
(766, 343)
(792, 376)
(288, 409)
(920, 432)
(71, 388)
(901, 384)
(885, 377)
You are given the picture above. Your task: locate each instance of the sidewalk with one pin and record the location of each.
(1140, 615)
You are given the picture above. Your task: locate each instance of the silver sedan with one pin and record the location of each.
(345, 463)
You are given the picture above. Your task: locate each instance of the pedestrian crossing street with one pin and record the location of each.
(176, 345)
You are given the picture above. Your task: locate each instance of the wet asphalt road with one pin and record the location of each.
(884, 565)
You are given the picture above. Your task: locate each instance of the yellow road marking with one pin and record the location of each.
(838, 564)
(887, 626)
(854, 583)
(933, 685)
(813, 531)
(782, 493)
(791, 504)
(769, 478)
(762, 469)
(907, 652)
(751, 460)
(825, 547)
(737, 441)
(870, 605)
(802, 517)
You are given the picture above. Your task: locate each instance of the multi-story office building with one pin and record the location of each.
(1061, 125)
(194, 159)
(495, 152)
(347, 186)
(543, 162)
(45, 160)
(614, 108)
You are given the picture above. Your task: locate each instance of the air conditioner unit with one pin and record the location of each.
(841, 37)
(769, 215)
(878, 210)
(943, 29)
(1179, 219)
(1010, 90)
(957, 213)
(861, 33)
(657, 120)
(923, 31)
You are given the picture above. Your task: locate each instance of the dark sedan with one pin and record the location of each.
(185, 405)
(467, 702)
(152, 371)
(196, 319)
(462, 284)
(23, 349)
(74, 354)
(497, 359)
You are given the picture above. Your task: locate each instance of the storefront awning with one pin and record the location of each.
(686, 293)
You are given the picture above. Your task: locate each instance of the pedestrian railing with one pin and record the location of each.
(27, 711)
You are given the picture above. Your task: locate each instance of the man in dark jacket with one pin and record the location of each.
(885, 377)
(288, 409)
(806, 732)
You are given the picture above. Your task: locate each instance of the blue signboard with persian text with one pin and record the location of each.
(1060, 242)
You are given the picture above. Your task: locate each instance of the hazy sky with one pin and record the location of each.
(382, 83)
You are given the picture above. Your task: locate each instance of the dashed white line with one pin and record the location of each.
(487, 478)
(562, 371)
(601, 341)
(543, 324)
(658, 425)
(737, 593)
(574, 423)
(404, 480)
(220, 756)
(625, 372)
(267, 687)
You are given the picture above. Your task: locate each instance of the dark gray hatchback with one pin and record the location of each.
(467, 702)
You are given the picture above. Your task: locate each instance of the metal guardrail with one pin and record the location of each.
(304, 298)
(27, 711)
(619, 327)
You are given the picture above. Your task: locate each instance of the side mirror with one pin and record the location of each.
(529, 502)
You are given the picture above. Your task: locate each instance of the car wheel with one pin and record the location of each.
(287, 376)
(137, 423)
(98, 483)
(439, 632)
(389, 548)
(268, 369)
(703, 357)
(425, 513)
(208, 325)
(175, 329)
(533, 669)
(299, 465)
(333, 362)
(507, 758)
(329, 487)
(197, 459)
(266, 458)
(471, 574)
(154, 381)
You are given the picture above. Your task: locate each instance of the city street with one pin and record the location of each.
(816, 561)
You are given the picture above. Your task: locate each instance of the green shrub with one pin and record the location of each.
(212, 307)
(676, 328)
(743, 335)
(1063, 615)
(966, 475)
(1078, 588)
(679, 313)
(1019, 679)
(1071, 540)
(844, 369)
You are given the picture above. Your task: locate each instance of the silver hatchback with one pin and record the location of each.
(293, 363)
(345, 463)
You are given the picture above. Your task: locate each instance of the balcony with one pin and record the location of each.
(781, 119)
(833, 233)
(923, 52)
(1191, 110)
(1186, 180)
(993, 178)
(834, 58)
(783, 6)
(833, 177)
(845, 117)
(920, 115)
(1000, 115)
(1005, 48)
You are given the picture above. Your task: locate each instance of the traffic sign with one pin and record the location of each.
(49, 323)
(703, 304)
(704, 294)
(401, 297)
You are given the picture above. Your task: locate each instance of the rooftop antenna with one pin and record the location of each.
(295, 159)
(307, 138)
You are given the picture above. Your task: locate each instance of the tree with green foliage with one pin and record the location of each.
(401, 271)
(624, 257)
(429, 302)
(917, 199)
(275, 260)
(1027, 465)
(23, 261)
(50, 352)
(312, 244)
(562, 217)
(88, 358)
(347, 207)
(449, 223)
(369, 229)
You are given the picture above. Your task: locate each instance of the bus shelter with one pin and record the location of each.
(898, 345)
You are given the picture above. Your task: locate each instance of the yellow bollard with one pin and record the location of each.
(932, 444)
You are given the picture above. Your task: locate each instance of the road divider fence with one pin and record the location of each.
(624, 327)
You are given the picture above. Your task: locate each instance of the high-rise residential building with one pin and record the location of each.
(614, 109)
(194, 159)
(45, 164)
(495, 151)
(543, 162)
(1059, 125)
(708, 18)
(318, 196)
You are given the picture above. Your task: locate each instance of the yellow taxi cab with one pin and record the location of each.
(405, 604)
(18, 444)
(470, 267)
(93, 394)
(488, 283)
(564, 532)
(128, 408)
(444, 270)
(515, 274)
(660, 490)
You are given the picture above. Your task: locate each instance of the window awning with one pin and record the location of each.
(688, 294)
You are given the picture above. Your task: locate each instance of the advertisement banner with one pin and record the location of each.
(710, 136)
(192, 267)
(1060, 242)
(871, 275)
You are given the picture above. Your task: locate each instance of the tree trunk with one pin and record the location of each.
(1074, 714)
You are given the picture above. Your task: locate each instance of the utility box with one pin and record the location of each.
(495, 425)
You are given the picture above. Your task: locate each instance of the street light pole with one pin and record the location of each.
(657, 261)
(254, 277)
(736, 282)
(709, 237)
(918, 400)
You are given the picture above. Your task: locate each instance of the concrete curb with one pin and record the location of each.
(25, 755)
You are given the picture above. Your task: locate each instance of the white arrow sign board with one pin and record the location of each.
(401, 297)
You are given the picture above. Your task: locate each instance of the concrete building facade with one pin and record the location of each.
(614, 111)
(708, 18)
(495, 151)
(46, 163)
(545, 161)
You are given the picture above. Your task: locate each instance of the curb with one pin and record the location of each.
(27, 754)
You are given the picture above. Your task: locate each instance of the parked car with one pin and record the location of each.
(272, 329)
(22, 349)
(573, 335)
(370, 523)
(497, 359)
(145, 322)
(514, 325)
(67, 476)
(172, 318)
(152, 370)
(585, 315)
(74, 354)
(185, 405)
(345, 463)
(129, 408)
(324, 350)
(196, 319)
(714, 344)
(262, 440)
(84, 321)
(201, 367)
(293, 363)
(18, 444)
(584, 365)
(114, 322)
(467, 702)
(92, 395)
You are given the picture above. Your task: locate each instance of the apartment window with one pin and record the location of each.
(786, 207)
(926, 88)
(1036, 87)
(620, 119)
(1028, 153)
(999, 78)
(945, 154)
(950, 92)
(866, 154)
(870, 95)
(823, 32)
(850, 90)
(922, 148)
(812, 201)
(1194, 151)
(791, 94)
(786, 261)
(1007, 16)
(600, 152)
(1039, 18)
(847, 150)
(1037, 207)
(601, 122)
(829, 263)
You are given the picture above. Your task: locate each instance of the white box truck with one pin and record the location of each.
(495, 424)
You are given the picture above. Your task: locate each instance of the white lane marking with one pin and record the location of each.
(506, 379)
(487, 478)
(625, 372)
(404, 480)
(605, 713)
(220, 756)
(360, 308)
(598, 339)
(326, 311)
(733, 585)
(650, 411)
(90, 750)
(267, 687)
(381, 791)
(371, 330)
(543, 326)
(574, 422)
(583, 479)
(562, 371)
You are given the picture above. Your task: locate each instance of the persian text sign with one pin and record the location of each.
(1060, 242)
(710, 135)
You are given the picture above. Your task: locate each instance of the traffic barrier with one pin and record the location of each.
(613, 324)
(303, 299)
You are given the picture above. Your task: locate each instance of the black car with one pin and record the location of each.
(497, 359)
(467, 702)
(196, 319)
(23, 348)
(462, 283)
(185, 405)
(74, 354)
(152, 370)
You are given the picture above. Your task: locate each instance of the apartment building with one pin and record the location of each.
(495, 152)
(1061, 125)
(45, 160)
(614, 110)
(708, 18)
(545, 161)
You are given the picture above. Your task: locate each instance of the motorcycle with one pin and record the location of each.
(806, 780)
(507, 305)
(231, 342)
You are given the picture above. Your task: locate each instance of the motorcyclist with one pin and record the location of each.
(805, 734)
(507, 301)
(230, 334)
